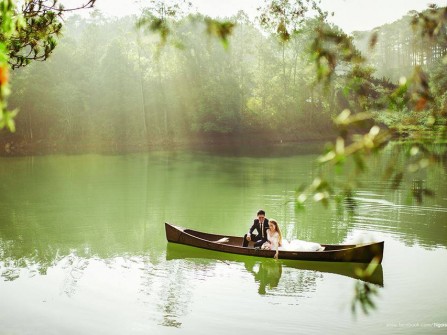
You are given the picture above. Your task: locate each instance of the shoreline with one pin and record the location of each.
(226, 145)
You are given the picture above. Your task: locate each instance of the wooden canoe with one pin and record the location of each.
(357, 253)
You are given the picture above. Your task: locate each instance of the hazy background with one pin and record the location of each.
(350, 15)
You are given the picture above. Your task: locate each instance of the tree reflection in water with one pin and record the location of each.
(74, 267)
(174, 295)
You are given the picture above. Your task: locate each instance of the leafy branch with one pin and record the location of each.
(333, 51)
(27, 35)
(161, 18)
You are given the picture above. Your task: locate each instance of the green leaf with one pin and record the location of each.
(220, 29)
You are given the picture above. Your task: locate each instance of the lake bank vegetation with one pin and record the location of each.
(110, 87)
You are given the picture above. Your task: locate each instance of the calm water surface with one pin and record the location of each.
(83, 249)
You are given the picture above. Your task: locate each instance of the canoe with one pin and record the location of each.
(356, 253)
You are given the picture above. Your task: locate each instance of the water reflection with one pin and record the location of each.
(282, 278)
(270, 271)
(168, 282)
(285, 278)
(173, 297)
(73, 267)
(267, 274)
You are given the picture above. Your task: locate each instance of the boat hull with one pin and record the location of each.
(357, 253)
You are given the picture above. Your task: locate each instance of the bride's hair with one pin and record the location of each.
(273, 221)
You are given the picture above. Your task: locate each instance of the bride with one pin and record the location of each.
(275, 241)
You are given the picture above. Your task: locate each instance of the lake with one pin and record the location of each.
(83, 248)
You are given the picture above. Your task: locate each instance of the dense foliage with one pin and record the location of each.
(28, 33)
(111, 86)
(411, 50)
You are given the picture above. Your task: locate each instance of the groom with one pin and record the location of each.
(261, 224)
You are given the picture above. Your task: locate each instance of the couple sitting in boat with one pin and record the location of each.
(269, 237)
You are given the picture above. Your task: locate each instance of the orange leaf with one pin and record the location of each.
(420, 104)
(4, 75)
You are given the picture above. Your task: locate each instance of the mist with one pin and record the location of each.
(113, 87)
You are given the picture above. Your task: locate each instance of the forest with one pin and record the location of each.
(114, 86)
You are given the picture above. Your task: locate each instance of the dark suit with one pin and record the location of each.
(261, 233)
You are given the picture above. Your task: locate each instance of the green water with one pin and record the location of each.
(83, 248)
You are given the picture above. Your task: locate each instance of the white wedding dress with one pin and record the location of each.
(298, 245)
(294, 245)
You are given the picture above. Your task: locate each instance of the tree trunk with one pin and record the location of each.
(143, 96)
